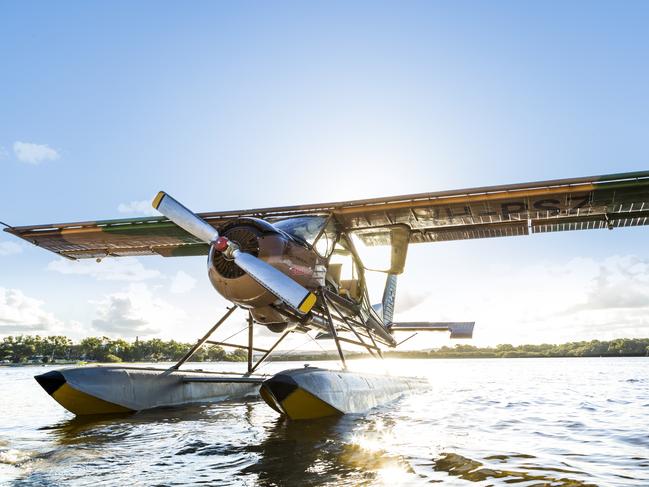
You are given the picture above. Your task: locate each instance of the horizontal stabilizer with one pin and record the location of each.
(458, 329)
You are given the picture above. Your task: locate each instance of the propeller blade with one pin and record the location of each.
(184, 218)
(276, 282)
(265, 274)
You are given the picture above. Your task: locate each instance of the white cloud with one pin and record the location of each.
(620, 282)
(583, 299)
(182, 283)
(408, 299)
(22, 314)
(34, 153)
(142, 207)
(120, 269)
(135, 312)
(10, 248)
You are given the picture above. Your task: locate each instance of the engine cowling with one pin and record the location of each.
(261, 239)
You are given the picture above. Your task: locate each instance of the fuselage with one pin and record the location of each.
(291, 253)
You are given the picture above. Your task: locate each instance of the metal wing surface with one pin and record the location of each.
(618, 200)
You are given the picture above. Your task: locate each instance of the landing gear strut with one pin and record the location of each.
(205, 339)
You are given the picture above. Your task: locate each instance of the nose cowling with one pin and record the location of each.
(255, 237)
(246, 237)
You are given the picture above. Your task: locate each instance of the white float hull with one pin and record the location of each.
(312, 392)
(119, 389)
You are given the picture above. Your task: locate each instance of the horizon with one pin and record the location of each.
(452, 343)
(60, 349)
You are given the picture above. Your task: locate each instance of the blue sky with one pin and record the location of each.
(240, 105)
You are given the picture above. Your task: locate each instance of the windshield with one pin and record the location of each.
(305, 228)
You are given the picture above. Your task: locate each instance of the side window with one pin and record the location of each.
(383, 249)
(343, 272)
(374, 249)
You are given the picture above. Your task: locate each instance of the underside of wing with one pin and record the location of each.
(501, 211)
(113, 238)
(612, 201)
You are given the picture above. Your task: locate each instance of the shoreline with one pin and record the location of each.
(304, 358)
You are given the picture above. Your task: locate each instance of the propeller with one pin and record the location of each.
(275, 281)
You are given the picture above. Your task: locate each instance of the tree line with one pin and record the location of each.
(620, 347)
(26, 348)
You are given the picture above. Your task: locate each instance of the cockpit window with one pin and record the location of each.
(305, 228)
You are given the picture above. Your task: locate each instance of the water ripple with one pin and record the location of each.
(573, 422)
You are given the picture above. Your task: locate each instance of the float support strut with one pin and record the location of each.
(250, 349)
(361, 342)
(332, 329)
(269, 351)
(200, 342)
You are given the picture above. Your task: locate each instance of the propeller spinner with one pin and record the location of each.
(275, 281)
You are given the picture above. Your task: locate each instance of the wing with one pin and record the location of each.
(617, 200)
(114, 238)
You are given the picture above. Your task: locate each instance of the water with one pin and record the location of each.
(561, 422)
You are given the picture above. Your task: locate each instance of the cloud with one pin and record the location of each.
(34, 153)
(10, 248)
(22, 314)
(182, 283)
(142, 207)
(121, 269)
(620, 282)
(135, 312)
(581, 299)
(408, 298)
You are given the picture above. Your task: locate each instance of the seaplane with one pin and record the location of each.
(299, 269)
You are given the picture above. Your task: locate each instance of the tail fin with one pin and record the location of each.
(389, 296)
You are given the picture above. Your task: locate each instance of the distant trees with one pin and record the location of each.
(16, 349)
(25, 348)
(215, 353)
(239, 355)
(621, 347)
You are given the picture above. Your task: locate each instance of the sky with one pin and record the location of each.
(252, 104)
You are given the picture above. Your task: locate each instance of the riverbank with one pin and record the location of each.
(61, 350)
